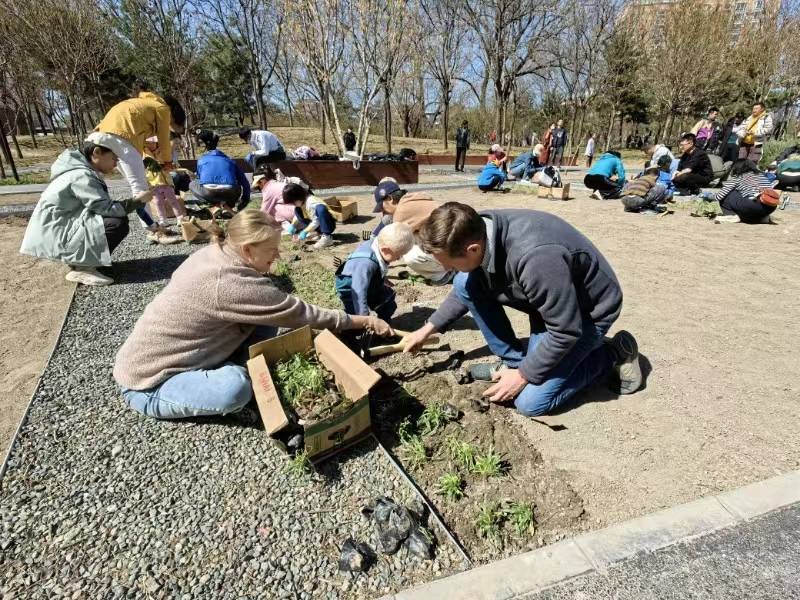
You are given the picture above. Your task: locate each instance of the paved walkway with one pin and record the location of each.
(740, 544)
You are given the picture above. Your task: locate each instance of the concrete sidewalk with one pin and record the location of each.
(739, 544)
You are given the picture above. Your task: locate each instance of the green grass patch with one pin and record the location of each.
(488, 464)
(299, 375)
(461, 452)
(27, 179)
(451, 486)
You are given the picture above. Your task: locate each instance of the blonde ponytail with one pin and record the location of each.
(250, 226)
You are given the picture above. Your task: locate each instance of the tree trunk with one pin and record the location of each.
(323, 119)
(289, 106)
(610, 128)
(31, 126)
(7, 152)
(14, 139)
(387, 118)
(39, 117)
(484, 88)
(258, 92)
(445, 117)
(2, 167)
(621, 123)
(667, 126)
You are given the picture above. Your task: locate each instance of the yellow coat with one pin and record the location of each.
(152, 169)
(137, 119)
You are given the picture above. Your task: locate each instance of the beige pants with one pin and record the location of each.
(426, 266)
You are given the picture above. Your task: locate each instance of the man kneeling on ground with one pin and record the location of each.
(646, 192)
(536, 263)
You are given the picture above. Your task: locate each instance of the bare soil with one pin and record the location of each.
(35, 298)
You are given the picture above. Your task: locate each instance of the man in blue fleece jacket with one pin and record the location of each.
(539, 264)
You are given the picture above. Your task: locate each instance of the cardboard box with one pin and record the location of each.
(553, 193)
(343, 208)
(354, 377)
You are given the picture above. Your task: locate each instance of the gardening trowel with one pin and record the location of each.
(375, 351)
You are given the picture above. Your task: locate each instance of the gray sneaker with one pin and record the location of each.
(627, 362)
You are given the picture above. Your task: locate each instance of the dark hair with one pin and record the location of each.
(141, 85)
(742, 166)
(176, 110)
(664, 162)
(760, 103)
(208, 139)
(244, 133)
(738, 115)
(88, 149)
(295, 192)
(465, 122)
(615, 153)
(451, 228)
(713, 109)
(266, 171)
(689, 137)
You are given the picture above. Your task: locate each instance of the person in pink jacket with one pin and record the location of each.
(272, 196)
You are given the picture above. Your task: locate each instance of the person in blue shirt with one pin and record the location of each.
(361, 279)
(527, 163)
(220, 181)
(598, 179)
(492, 177)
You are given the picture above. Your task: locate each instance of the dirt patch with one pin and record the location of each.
(35, 298)
(413, 382)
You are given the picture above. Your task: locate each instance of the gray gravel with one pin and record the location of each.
(99, 502)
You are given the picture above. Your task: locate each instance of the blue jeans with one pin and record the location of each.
(204, 392)
(327, 224)
(586, 361)
(381, 299)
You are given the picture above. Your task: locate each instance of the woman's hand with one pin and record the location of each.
(379, 327)
(417, 338)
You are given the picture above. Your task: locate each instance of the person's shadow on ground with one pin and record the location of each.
(145, 270)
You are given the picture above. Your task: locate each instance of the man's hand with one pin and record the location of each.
(380, 327)
(508, 384)
(417, 338)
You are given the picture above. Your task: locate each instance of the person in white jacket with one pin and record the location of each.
(753, 132)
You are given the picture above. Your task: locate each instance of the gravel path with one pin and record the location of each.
(98, 502)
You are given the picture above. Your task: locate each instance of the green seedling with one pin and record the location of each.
(299, 374)
(432, 419)
(463, 453)
(413, 452)
(300, 465)
(521, 516)
(450, 486)
(489, 464)
(406, 431)
(281, 269)
(415, 279)
(487, 523)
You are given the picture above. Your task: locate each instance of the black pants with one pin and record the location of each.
(273, 156)
(691, 182)
(608, 188)
(730, 152)
(750, 210)
(556, 154)
(461, 156)
(117, 229)
(229, 196)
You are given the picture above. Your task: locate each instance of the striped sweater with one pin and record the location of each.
(748, 185)
(641, 185)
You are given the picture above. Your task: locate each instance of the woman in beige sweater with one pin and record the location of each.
(179, 359)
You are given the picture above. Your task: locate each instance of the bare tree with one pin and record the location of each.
(255, 28)
(514, 36)
(286, 71)
(443, 51)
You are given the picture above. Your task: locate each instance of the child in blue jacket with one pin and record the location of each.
(493, 176)
(361, 279)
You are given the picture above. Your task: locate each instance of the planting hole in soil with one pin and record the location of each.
(489, 485)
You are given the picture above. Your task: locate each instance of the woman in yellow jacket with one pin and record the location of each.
(128, 124)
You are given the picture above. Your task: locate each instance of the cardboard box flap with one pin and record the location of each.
(354, 375)
(279, 347)
(269, 405)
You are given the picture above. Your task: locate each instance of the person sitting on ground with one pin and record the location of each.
(266, 147)
(739, 196)
(599, 177)
(753, 132)
(694, 168)
(185, 354)
(361, 279)
(539, 264)
(653, 152)
(645, 193)
(349, 140)
(310, 214)
(220, 181)
(493, 176)
(413, 210)
(527, 163)
(75, 221)
(163, 187)
(272, 202)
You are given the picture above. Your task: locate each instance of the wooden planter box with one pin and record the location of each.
(322, 174)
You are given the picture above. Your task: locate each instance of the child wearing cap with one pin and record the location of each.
(161, 182)
(361, 279)
(493, 175)
(646, 192)
(272, 201)
(310, 214)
